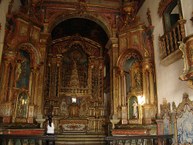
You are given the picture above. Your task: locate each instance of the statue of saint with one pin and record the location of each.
(18, 71)
(135, 109)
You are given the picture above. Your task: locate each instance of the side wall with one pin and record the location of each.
(168, 84)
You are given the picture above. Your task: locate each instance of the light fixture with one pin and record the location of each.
(73, 100)
(141, 100)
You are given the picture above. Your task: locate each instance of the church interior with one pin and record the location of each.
(116, 72)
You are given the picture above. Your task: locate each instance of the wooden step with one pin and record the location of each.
(80, 139)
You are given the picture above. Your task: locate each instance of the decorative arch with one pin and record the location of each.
(59, 17)
(128, 53)
(35, 55)
(163, 4)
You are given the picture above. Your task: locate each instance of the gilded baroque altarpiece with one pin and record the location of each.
(70, 77)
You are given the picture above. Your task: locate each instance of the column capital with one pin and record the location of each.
(44, 37)
(112, 42)
(9, 55)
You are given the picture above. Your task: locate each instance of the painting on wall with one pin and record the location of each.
(22, 72)
(185, 126)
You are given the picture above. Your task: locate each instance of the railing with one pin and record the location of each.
(169, 41)
(8, 139)
(140, 140)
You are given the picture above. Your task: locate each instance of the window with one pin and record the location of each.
(171, 16)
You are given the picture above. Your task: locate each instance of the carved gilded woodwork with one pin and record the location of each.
(130, 9)
(186, 47)
(138, 58)
(67, 74)
(16, 57)
(74, 75)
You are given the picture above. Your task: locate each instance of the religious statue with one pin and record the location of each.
(22, 107)
(135, 109)
(182, 47)
(18, 71)
(137, 78)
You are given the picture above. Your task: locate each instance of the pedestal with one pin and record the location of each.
(124, 119)
(149, 112)
(40, 120)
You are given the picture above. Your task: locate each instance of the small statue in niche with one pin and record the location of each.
(18, 71)
(135, 109)
(138, 80)
(22, 106)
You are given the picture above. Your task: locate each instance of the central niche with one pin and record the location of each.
(74, 72)
(74, 76)
(74, 85)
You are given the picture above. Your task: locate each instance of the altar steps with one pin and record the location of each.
(80, 139)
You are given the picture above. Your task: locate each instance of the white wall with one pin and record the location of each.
(187, 10)
(168, 84)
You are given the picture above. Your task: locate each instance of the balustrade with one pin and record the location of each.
(169, 41)
(140, 140)
(8, 139)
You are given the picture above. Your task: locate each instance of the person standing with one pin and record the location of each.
(50, 130)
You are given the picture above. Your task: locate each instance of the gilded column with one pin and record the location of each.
(114, 81)
(119, 90)
(119, 93)
(7, 81)
(123, 98)
(33, 85)
(122, 89)
(146, 84)
(39, 96)
(148, 92)
(4, 81)
(59, 59)
(152, 91)
(11, 81)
